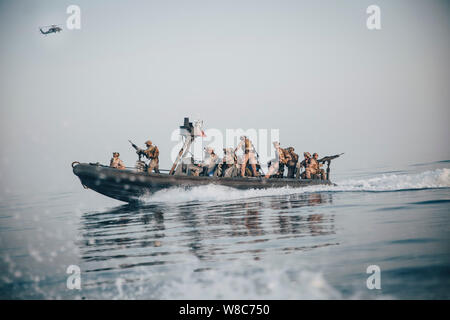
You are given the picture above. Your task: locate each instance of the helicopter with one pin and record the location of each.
(50, 29)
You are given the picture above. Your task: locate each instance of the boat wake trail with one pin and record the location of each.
(251, 282)
(439, 178)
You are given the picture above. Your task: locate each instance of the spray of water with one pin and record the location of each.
(439, 178)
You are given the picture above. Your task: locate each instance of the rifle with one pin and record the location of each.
(139, 151)
(328, 159)
(257, 159)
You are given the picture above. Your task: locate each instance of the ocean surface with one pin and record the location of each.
(219, 243)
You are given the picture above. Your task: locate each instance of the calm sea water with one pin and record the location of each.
(213, 242)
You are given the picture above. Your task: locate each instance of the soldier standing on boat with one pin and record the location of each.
(249, 155)
(292, 162)
(116, 162)
(152, 153)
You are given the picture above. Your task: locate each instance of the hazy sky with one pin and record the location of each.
(311, 69)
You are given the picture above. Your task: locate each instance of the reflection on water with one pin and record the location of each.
(161, 234)
(234, 244)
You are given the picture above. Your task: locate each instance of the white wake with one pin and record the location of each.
(439, 178)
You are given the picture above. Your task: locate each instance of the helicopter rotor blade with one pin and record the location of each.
(53, 25)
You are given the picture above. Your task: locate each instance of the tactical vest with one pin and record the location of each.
(314, 164)
(294, 159)
(152, 152)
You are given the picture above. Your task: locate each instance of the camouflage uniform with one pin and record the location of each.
(304, 163)
(152, 153)
(284, 159)
(116, 162)
(312, 168)
(323, 174)
(292, 162)
(229, 163)
(319, 169)
(249, 155)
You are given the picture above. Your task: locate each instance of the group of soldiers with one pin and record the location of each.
(232, 166)
(284, 158)
(151, 153)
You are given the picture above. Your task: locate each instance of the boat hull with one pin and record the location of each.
(129, 185)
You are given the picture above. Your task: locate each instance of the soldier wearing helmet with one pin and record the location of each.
(312, 167)
(303, 164)
(285, 157)
(292, 162)
(152, 153)
(116, 162)
(319, 165)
